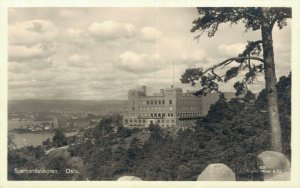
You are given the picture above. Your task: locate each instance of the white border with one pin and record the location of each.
(4, 4)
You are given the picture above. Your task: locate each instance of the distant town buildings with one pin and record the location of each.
(169, 108)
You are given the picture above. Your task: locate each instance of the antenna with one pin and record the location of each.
(173, 73)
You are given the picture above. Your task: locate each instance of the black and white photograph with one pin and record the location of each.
(154, 93)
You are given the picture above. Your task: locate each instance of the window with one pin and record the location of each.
(133, 108)
(155, 102)
(147, 102)
(163, 101)
(159, 102)
(151, 102)
(170, 101)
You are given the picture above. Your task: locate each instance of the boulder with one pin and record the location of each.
(129, 178)
(274, 166)
(217, 172)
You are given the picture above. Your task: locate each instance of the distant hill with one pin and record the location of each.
(89, 105)
(66, 105)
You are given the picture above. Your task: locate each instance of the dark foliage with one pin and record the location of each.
(234, 133)
(59, 139)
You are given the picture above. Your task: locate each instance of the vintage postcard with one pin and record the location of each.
(149, 93)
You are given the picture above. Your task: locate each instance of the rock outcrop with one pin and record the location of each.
(129, 178)
(217, 172)
(274, 166)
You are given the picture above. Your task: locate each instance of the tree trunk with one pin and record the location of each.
(270, 78)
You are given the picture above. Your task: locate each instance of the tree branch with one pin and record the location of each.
(231, 60)
(247, 13)
(287, 14)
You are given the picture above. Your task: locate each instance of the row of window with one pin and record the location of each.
(151, 115)
(140, 94)
(188, 114)
(135, 121)
(153, 102)
(188, 108)
(166, 108)
(141, 125)
(155, 108)
(170, 102)
(144, 121)
(163, 115)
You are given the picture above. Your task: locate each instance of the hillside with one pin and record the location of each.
(65, 105)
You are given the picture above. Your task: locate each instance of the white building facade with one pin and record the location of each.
(171, 108)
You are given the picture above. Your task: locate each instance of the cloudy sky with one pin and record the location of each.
(100, 53)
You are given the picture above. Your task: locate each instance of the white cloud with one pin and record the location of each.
(193, 57)
(109, 30)
(32, 32)
(70, 78)
(132, 61)
(15, 67)
(231, 50)
(77, 53)
(139, 63)
(74, 32)
(150, 34)
(39, 75)
(75, 37)
(23, 53)
(79, 61)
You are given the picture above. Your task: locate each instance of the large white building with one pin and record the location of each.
(170, 108)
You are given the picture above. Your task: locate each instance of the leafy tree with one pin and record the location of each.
(117, 120)
(254, 18)
(134, 150)
(59, 139)
(249, 96)
(104, 128)
(11, 144)
(47, 143)
(123, 132)
(284, 101)
(218, 110)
